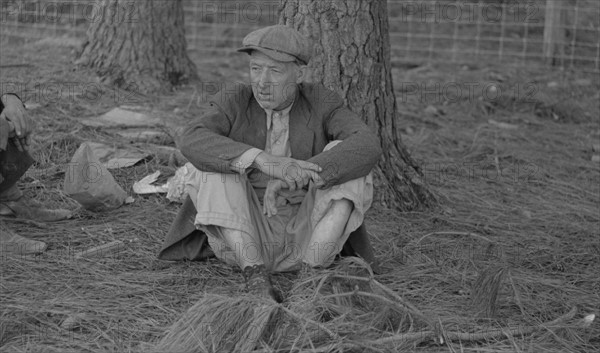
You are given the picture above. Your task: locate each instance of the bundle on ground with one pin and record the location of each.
(219, 324)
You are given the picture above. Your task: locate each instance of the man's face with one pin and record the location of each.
(274, 83)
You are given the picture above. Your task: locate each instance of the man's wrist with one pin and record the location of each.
(244, 161)
(260, 160)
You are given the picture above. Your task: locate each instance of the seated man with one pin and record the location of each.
(279, 172)
(15, 129)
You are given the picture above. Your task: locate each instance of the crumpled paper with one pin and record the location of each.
(144, 186)
(175, 187)
(90, 183)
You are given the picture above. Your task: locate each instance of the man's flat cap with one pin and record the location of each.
(278, 42)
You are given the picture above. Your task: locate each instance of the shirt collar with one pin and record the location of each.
(284, 112)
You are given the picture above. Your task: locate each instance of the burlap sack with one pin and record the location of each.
(90, 183)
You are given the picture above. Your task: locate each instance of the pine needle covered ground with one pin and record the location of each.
(510, 262)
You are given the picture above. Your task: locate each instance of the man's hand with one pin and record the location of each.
(20, 125)
(295, 173)
(270, 198)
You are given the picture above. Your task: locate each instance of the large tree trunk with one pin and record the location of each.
(352, 57)
(138, 45)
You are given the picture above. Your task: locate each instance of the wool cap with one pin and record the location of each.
(278, 42)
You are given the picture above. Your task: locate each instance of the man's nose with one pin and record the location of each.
(264, 79)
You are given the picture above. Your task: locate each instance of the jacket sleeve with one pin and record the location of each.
(4, 126)
(205, 142)
(3, 130)
(358, 152)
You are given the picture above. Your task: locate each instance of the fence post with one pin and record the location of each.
(554, 31)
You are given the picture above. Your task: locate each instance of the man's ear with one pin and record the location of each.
(301, 73)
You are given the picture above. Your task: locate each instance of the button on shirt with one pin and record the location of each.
(278, 140)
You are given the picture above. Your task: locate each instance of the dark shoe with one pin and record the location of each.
(258, 282)
(29, 209)
(12, 243)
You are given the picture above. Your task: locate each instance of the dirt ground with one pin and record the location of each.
(511, 165)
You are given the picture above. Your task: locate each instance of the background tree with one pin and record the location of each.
(138, 45)
(352, 57)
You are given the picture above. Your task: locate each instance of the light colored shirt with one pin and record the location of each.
(278, 140)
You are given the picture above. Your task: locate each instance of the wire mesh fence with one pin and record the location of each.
(565, 33)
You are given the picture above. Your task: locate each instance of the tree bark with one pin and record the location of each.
(352, 57)
(138, 45)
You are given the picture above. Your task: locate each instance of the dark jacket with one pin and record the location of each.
(13, 163)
